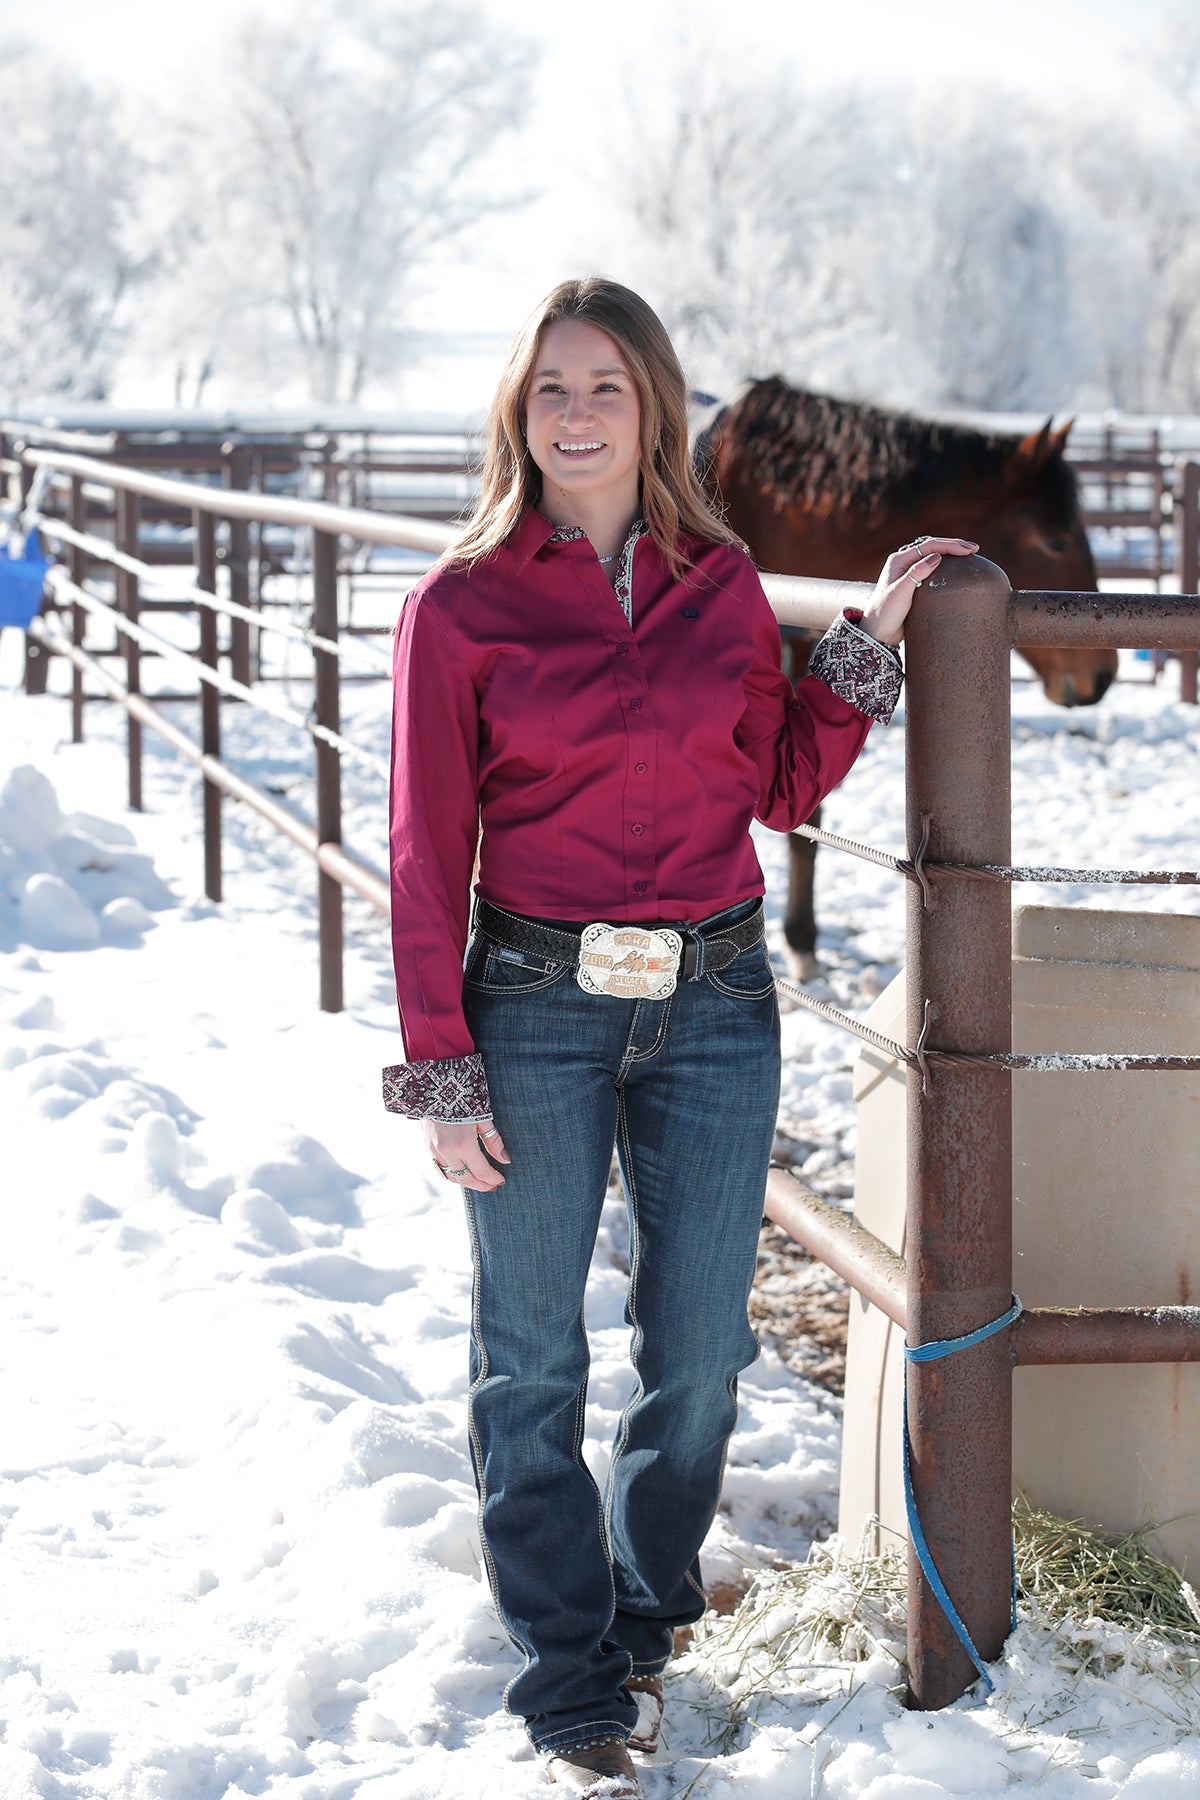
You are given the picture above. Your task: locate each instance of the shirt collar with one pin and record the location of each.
(534, 531)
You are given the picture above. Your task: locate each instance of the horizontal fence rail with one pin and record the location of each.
(1111, 621)
(225, 503)
(345, 868)
(1042, 1335)
(62, 586)
(101, 550)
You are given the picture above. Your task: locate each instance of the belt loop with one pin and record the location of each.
(698, 965)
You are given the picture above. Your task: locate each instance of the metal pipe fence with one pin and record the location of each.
(958, 1267)
(809, 603)
(210, 506)
(957, 1274)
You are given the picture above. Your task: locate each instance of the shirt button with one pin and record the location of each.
(639, 768)
(637, 830)
(622, 649)
(639, 887)
(635, 705)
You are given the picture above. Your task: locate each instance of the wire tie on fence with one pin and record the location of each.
(929, 1013)
(932, 1352)
(919, 860)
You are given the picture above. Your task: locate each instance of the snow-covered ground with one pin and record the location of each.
(239, 1546)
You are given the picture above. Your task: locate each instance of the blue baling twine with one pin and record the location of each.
(921, 1353)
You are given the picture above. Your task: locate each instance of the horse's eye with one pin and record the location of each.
(1056, 541)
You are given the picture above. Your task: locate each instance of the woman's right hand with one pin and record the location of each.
(458, 1151)
(903, 573)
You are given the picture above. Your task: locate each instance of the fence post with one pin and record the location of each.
(210, 699)
(328, 765)
(959, 1128)
(236, 475)
(128, 510)
(1189, 569)
(78, 566)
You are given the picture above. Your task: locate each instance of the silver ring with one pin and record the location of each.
(916, 543)
(494, 1132)
(453, 1174)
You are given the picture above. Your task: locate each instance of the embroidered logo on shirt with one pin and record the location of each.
(689, 612)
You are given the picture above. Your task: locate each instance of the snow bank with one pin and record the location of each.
(68, 882)
(239, 1553)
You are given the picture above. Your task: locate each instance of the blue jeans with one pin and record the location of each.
(590, 1588)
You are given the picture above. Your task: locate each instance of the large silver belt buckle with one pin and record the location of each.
(628, 961)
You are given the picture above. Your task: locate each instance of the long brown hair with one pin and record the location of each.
(672, 499)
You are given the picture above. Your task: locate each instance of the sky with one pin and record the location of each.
(1051, 45)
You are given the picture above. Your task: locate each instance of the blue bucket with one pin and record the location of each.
(21, 581)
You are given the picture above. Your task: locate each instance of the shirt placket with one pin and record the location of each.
(637, 821)
(640, 859)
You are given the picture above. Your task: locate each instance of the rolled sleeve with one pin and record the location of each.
(858, 668)
(452, 1090)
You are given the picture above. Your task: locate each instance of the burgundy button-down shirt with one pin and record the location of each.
(612, 766)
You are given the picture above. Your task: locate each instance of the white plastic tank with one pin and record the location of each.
(1106, 1212)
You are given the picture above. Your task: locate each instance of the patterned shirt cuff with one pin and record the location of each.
(858, 668)
(452, 1090)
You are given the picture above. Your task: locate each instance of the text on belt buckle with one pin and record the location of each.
(628, 961)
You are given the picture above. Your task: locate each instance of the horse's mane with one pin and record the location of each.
(844, 455)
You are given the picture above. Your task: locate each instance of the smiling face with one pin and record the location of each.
(583, 420)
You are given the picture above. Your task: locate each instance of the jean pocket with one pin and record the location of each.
(492, 968)
(747, 977)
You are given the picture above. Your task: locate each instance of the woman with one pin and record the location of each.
(588, 688)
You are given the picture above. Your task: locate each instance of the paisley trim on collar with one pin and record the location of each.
(623, 585)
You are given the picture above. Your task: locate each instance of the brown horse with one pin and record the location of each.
(823, 487)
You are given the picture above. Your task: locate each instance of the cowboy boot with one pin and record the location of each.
(597, 1771)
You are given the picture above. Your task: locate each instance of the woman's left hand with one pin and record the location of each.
(903, 573)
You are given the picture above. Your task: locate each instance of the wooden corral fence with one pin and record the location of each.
(953, 1293)
(1140, 502)
(1129, 496)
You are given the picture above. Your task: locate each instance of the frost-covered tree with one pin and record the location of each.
(974, 251)
(1136, 297)
(850, 241)
(730, 201)
(67, 188)
(1145, 178)
(974, 280)
(207, 307)
(342, 150)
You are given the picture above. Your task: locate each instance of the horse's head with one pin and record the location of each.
(1038, 538)
(1040, 528)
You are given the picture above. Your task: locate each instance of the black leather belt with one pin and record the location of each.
(707, 944)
